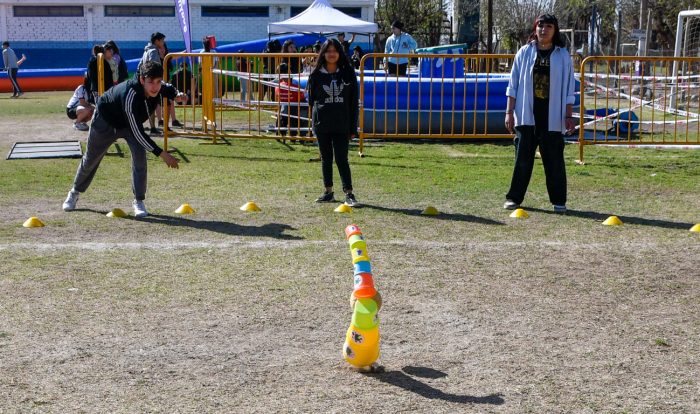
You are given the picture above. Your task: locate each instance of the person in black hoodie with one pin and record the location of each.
(333, 99)
(121, 112)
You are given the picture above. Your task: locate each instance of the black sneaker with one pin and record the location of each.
(177, 123)
(155, 131)
(350, 200)
(325, 198)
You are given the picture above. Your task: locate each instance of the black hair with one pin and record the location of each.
(157, 36)
(286, 44)
(113, 45)
(397, 24)
(151, 69)
(343, 62)
(283, 69)
(557, 39)
(97, 49)
(6, 43)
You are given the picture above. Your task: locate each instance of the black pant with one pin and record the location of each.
(552, 150)
(399, 69)
(12, 74)
(335, 144)
(290, 119)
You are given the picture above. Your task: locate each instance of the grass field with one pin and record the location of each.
(228, 311)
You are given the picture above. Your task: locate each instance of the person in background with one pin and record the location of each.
(96, 50)
(333, 103)
(243, 66)
(121, 112)
(78, 108)
(356, 57)
(290, 96)
(293, 63)
(152, 53)
(9, 59)
(122, 73)
(539, 110)
(398, 42)
(167, 70)
(113, 75)
(345, 43)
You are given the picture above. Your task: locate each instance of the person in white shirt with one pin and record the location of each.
(398, 42)
(78, 109)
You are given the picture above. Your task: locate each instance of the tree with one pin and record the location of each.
(422, 19)
(514, 20)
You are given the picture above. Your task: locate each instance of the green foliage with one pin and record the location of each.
(422, 19)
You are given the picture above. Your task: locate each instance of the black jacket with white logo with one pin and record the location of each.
(334, 99)
(126, 106)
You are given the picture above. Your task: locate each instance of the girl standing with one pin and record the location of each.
(333, 99)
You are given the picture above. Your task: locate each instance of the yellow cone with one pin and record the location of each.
(612, 221)
(33, 222)
(695, 228)
(117, 213)
(430, 211)
(343, 209)
(250, 206)
(185, 209)
(519, 213)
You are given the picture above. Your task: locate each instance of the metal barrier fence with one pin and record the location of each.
(240, 95)
(639, 101)
(445, 96)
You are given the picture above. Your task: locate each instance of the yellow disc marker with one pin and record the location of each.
(612, 221)
(117, 213)
(695, 228)
(430, 211)
(343, 209)
(185, 209)
(519, 213)
(250, 206)
(33, 222)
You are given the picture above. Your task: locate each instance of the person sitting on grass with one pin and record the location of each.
(78, 107)
(121, 112)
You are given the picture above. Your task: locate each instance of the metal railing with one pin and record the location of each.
(639, 101)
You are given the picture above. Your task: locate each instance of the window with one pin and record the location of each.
(355, 12)
(235, 11)
(48, 11)
(139, 11)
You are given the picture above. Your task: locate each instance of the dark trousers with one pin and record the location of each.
(399, 69)
(330, 145)
(552, 150)
(290, 119)
(12, 74)
(102, 135)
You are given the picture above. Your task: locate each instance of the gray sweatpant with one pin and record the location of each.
(102, 135)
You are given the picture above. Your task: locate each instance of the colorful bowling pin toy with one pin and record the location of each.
(361, 346)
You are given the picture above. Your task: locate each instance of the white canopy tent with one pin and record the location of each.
(320, 17)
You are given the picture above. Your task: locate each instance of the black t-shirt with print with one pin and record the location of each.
(540, 84)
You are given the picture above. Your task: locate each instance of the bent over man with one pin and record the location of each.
(120, 113)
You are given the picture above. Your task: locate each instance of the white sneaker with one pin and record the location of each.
(139, 209)
(510, 205)
(71, 200)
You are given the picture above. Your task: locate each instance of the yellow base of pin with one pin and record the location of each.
(343, 209)
(430, 211)
(519, 213)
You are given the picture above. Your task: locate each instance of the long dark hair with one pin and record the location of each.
(343, 62)
(557, 39)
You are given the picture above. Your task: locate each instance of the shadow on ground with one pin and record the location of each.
(403, 380)
(441, 216)
(594, 215)
(272, 230)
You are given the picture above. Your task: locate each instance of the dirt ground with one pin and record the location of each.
(540, 324)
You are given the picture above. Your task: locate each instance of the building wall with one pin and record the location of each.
(95, 27)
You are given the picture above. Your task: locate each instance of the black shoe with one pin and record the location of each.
(155, 131)
(160, 123)
(177, 123)
(350, 200)
(325, 198)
